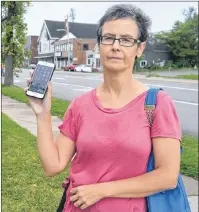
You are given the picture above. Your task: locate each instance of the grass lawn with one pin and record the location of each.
(58, 106)
(24, 186)
(188, 76)
(165, 69)
(189, 161)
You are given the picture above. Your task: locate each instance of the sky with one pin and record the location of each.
(162, 14)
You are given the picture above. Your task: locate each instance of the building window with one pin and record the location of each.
(85, 47)
(143, 63)
(89, 62)
(90, 56)
(65, 47)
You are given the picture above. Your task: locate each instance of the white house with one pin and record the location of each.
(93, 57)
(50, 32)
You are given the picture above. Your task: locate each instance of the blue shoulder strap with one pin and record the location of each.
(150, 104)
(151, 97)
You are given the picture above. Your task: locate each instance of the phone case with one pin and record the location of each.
(46, 88)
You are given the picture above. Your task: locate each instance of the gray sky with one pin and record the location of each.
(163, 14)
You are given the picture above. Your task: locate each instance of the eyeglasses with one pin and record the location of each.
(127, 42)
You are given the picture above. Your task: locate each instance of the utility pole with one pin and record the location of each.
(72, 14)
(68, 39)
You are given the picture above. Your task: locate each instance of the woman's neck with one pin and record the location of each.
(117, 84)
(118, 89)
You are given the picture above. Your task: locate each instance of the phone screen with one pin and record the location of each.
(41, 77)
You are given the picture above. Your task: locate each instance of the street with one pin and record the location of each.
(67, 85)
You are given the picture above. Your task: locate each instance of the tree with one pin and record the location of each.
(13, 36)
(183, 39)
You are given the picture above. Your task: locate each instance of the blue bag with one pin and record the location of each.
(174, 200)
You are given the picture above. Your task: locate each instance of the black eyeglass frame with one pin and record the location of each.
(119, 40)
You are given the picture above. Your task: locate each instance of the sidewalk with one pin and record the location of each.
(19, 112)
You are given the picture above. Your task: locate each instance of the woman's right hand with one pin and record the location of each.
(40, 106)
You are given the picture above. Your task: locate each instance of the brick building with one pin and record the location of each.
(77, 50)
(31, 45)
(82, 37)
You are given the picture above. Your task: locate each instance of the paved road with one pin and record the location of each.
(67, 85)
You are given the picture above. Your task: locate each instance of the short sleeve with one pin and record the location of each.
(68, 126)
(166, 122)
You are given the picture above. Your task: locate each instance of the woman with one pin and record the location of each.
(108, 130)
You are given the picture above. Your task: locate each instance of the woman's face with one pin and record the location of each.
(116, 57)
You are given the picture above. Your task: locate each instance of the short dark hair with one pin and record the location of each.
(119, 11)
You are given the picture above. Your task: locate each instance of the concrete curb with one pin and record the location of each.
(193, 201)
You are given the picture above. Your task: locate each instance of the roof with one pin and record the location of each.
(53, 26)
(157, 47)
(162, 47)
(79, 30)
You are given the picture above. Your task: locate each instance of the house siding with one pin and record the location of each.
(156, 56)
(45, 44)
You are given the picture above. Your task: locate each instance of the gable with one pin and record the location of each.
(43, 31)
(53, 26)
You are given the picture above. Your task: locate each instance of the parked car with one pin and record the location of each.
(83, 68)
(70, 67)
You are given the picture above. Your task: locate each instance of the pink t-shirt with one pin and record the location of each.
(114, 144)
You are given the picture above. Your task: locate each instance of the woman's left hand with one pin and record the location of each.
(86, 195)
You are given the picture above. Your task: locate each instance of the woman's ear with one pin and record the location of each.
(140, 49)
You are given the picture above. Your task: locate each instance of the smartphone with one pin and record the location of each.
(40, 79)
